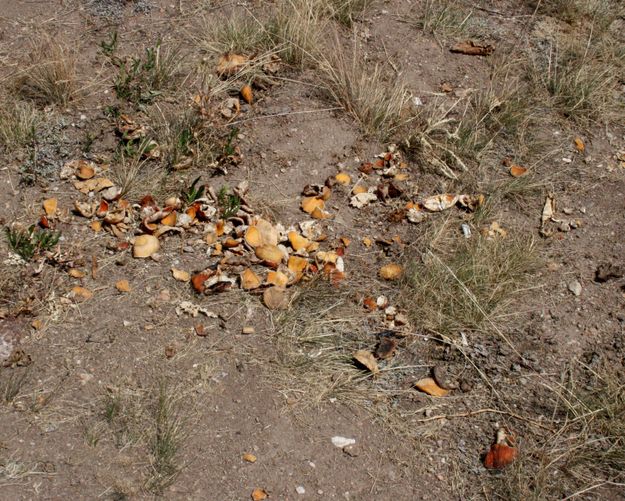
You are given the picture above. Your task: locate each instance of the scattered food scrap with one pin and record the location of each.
(428, 385)
(471, 48)
(501, 454)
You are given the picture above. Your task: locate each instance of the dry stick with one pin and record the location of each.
(593, 487)
(388, 58)
(284, 114)
(483, 411)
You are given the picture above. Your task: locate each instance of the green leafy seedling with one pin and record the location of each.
(229, 148)
(193, 192)
(27, 243)
(109, 47)
(229, 203)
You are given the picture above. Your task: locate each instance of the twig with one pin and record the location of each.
(484, 411)
(593, 487)
(284, 114)
(490, 11)
(388, 58)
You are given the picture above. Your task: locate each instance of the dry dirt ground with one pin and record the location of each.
(121, 378)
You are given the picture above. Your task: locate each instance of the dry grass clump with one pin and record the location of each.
(295, 30)
(466, 285)
(292, 29)
(11, 383)
(122, 411)
(135, 174)
(151, 419)
(442, 17)
(586, 453)
(238, 34)
(18, 123)
(581, 70)
(166, 440)
(50, 73)
(377, 102)
(432, 138)
(450, 135)
(582, 78)
(599, 413)
(345, 11)
(185, 138)
(501, 111)
(11, 282)
(600, 13)
(13, 470)
(316, 340)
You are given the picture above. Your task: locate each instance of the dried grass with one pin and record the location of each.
(582, 78)
(18, 124)
(466, 285)
(447, 18)
(295, 29)
(377, 102)
(585, 456)
(239, 33)
(50, 75)
(316, 340)
(346, 11)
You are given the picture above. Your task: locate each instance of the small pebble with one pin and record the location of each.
(465, 386)
(575, 287)
(300, 489)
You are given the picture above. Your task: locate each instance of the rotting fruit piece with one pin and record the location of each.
(429, 386)
(367, 360)
(501, 453)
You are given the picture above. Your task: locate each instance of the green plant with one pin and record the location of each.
(87, 142)
(230, 148)
(112, 407)
(229, 203)
(108, 47)
(28, 242)
(135, 148)
(193, 192)
(111, 111)
(183, 138)
(141, 80)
